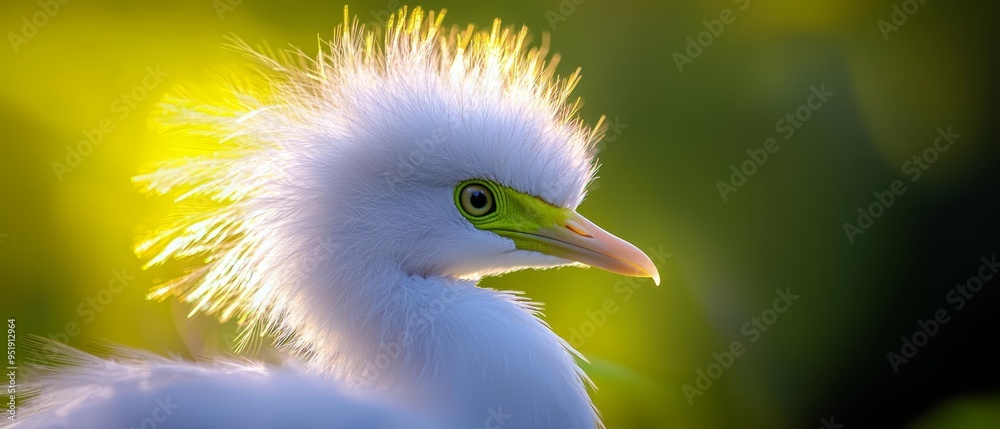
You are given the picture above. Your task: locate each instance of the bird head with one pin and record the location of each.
(471, 174)
(443, 153)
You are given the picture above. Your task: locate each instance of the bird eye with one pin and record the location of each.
(477, 200)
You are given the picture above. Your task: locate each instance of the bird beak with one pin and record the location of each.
(575, 238)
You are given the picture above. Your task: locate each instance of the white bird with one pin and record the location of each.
(349, 209)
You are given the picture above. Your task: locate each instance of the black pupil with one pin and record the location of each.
(478, 199)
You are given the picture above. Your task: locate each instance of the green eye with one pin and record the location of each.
(476, 200)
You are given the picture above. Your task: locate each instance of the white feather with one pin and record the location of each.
(141, 390)
(325, 216)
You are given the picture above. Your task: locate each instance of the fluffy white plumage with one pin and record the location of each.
(326, 217)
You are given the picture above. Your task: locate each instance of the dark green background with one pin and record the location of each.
(679, 134)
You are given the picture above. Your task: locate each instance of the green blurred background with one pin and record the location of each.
(824, 360)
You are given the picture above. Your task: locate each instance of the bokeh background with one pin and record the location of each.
(678, 131)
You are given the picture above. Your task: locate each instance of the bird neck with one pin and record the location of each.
(446, 345)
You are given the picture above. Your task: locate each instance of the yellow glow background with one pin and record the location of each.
(61, 237)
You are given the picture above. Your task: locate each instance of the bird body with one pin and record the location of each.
(140, 390)
(429, 374)
(349, 209)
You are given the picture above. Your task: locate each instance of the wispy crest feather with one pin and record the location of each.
(222, 208)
